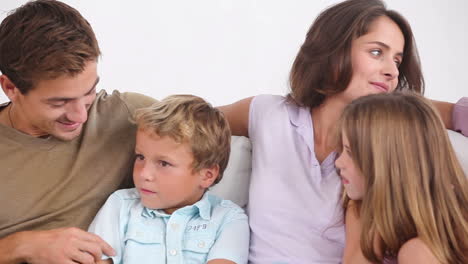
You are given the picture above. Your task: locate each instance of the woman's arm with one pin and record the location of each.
(454, 116)
(237, 115)
(353, 253)
(445, 111)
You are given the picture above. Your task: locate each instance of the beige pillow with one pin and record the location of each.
(235, 183)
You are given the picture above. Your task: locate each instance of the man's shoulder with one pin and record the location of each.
(129, 99)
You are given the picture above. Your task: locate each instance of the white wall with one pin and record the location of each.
(225, 50)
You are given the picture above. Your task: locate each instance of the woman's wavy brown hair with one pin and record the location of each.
(323, 65)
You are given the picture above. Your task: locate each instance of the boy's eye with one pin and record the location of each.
(163, 163)
(139, 157)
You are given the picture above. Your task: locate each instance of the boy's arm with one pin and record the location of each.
(220, 261)
(107, 224)
(454, 116)
(232, 244)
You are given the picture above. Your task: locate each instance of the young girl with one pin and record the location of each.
(403, 183)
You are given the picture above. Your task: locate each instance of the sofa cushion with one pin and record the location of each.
(235, 183)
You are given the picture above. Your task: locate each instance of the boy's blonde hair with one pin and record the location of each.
(415, 186)
(190, 119)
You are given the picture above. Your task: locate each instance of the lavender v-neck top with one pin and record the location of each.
(294, 201)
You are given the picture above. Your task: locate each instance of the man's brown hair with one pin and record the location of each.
(43, 40)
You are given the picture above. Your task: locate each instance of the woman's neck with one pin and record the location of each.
(325, 118)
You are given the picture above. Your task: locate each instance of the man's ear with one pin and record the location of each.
(9, 88)
(208, 176)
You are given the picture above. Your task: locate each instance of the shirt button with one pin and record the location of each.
(173, 252)
(201, 244)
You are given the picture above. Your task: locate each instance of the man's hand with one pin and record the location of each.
(57, 246)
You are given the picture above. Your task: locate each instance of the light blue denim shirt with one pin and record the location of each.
(211, 228)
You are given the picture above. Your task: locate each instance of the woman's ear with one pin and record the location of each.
(208, 176)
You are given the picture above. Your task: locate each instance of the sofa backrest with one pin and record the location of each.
(235, 183)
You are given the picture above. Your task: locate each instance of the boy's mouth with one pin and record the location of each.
(146, 191)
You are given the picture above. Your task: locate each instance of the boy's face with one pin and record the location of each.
(163, 173)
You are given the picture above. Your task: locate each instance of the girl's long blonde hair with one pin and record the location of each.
(415, 186)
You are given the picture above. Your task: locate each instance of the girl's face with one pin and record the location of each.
(351, 175)
(375, 58)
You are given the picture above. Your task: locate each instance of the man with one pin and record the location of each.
(64, 149)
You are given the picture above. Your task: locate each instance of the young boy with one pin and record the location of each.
(182, 148)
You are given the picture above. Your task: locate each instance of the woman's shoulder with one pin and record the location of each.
(268, 99)
(416, 251)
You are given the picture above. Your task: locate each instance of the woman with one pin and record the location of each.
(354, 48)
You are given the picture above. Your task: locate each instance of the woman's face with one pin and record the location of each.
(375, 58)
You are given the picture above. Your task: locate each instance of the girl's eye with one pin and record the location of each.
(139, 157)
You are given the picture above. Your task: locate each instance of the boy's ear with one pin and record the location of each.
(209, 176)
(9, 88)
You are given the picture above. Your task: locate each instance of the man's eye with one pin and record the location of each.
(139, 157)
(57, 105)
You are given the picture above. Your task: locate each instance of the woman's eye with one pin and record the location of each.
(398, 63)
(376, 52)
(139, 157)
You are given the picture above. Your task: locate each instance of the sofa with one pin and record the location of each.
(235, 183)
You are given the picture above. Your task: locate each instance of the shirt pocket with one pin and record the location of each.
(196, 248)
(143, 246)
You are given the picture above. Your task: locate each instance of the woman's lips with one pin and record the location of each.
(381, 86)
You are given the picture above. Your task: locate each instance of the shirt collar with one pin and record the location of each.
(299, 116)
(202, 208)
(301, 120)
